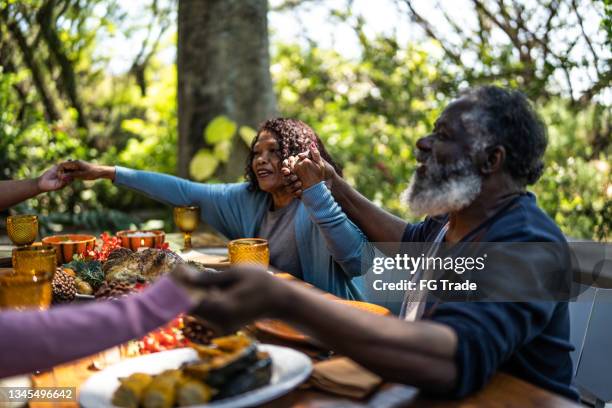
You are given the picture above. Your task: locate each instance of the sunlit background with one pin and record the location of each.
(97, 80)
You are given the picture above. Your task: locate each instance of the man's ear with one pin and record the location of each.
(494, 159)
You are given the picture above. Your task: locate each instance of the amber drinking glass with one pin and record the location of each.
(34, 260)
(25, 291)
(249, 251)
(22, 229)
(28, 285)
(187, 219)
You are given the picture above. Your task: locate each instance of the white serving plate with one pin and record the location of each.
(289, 369)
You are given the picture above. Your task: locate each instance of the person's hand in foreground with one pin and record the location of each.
(78, 169)
(305, 170)
(420, 353)
(233, 298)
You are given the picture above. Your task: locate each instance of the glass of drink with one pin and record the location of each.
(33, 260)
(22, 229)
(187, 219)
(28, 285)
(249, 251)
(25, 291)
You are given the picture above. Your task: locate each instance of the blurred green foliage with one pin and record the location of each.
(218, 134)
(369, 111)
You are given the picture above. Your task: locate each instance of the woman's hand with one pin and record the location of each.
(52, 179)
(86, 171)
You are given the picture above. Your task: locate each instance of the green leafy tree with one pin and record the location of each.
(58, 100)
(371, 112)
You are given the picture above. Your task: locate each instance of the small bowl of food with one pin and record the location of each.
(69, 245)
(134, 239)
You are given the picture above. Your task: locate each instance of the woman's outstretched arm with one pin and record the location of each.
(161, 187)
(218, 202)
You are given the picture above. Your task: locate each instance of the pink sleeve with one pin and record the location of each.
(34, 340)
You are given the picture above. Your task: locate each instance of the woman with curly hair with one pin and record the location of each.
(310, 237)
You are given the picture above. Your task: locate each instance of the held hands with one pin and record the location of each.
(53, 179)
(232, 298)
(60, 175)
(86, 171)
(305, 170)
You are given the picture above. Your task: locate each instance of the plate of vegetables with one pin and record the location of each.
(233, 371)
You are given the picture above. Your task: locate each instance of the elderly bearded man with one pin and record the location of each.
(485, 148)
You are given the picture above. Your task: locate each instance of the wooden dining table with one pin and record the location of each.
(502, 391)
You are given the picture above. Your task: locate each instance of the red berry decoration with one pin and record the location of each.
(109, 244)
(165, 338)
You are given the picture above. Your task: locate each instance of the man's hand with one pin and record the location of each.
(86, 171)
(420, 353)
(235, 297)
(306, 170)
(292, 182)
(53, 179)
(310, 170)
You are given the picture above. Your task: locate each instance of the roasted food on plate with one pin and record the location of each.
(161, 393)
(157, 262)
(228, 367)
(114, 271)
(126, 265)
(216, 370)
(192, 392)
(131, 389)
(253, 376)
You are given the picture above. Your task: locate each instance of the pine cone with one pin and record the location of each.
(64, 287)
(197, 330)
(114, 290)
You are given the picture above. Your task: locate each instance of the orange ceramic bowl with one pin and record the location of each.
(134, 239)
(69, 245)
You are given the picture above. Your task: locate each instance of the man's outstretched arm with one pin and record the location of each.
(421, 353)
(377, 224)
(416, 353)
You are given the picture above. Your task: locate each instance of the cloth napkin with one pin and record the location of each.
(343, 376)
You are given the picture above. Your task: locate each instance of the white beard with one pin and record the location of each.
(442, 190)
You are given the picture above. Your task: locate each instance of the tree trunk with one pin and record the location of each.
(223, 69)
(51, 112)
(68, 77)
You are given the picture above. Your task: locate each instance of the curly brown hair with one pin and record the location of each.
(293, 137)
